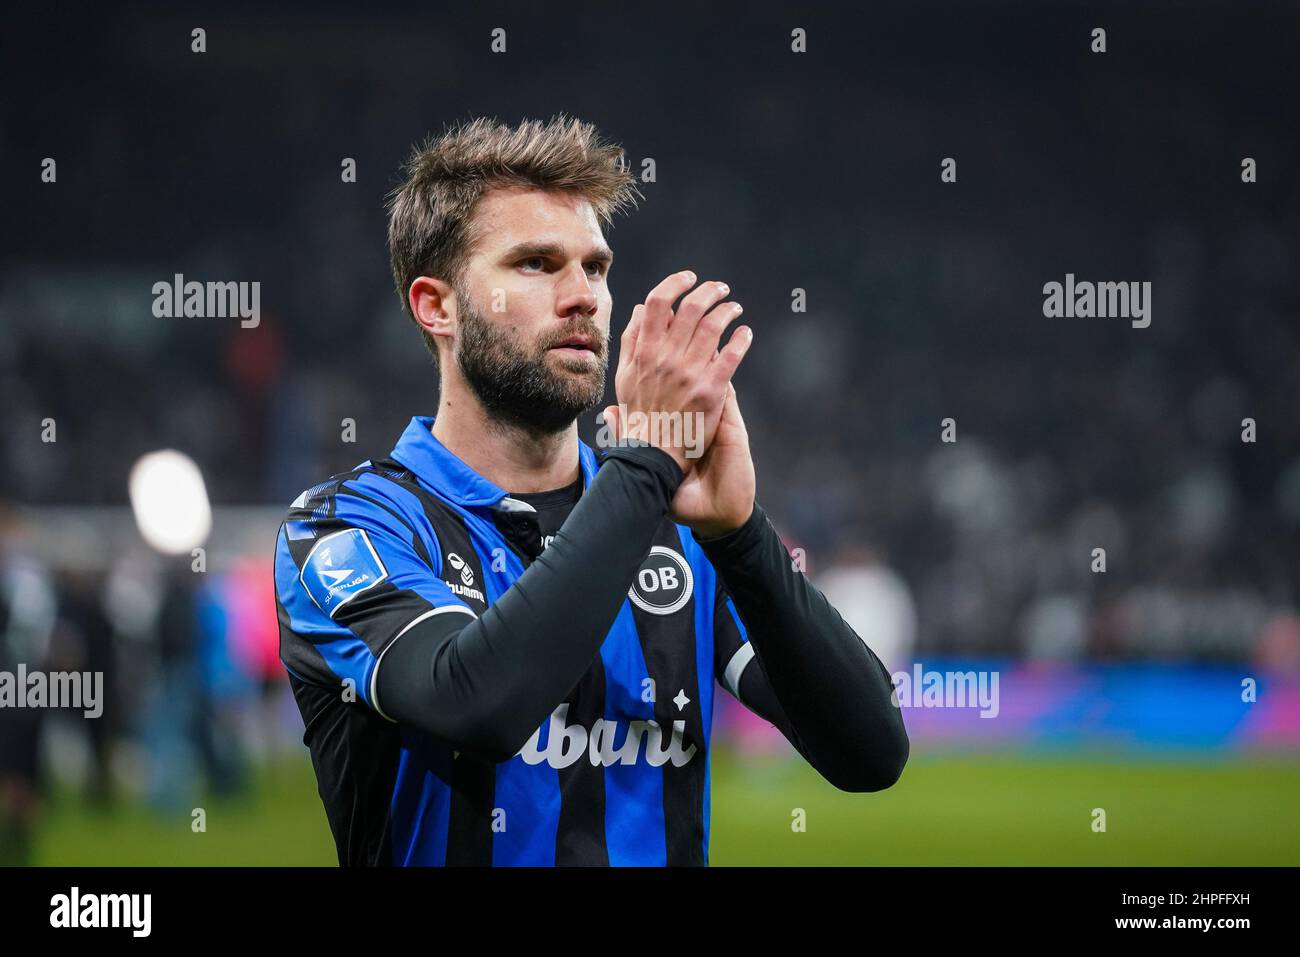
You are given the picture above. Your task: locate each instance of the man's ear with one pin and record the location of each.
(433, 303)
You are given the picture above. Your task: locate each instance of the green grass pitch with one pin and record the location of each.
(948, 809)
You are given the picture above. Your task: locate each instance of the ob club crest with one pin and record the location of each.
(663, 584)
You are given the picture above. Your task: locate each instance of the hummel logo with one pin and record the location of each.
(465, 587)
(466, 573)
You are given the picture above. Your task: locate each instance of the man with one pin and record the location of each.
(505, 651)
(28, 618)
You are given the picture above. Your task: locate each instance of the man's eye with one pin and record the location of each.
(536, 259)
(598, 268)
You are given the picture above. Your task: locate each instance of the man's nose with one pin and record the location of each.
(575, 292)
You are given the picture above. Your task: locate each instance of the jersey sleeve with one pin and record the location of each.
(351, 576)
(737, 666)
(834, 696)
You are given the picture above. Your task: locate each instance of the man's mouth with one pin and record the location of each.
(576, 343)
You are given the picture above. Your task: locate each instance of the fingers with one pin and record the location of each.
(692, 309)
(631, 333)
(659, 308)
(704, 344)
(731, 410)
(669, 359)
(728, 359)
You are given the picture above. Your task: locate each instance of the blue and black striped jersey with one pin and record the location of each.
(618, 774)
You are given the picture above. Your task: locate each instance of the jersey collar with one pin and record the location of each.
(421, 452)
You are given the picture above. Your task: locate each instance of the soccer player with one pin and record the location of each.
(504, 648)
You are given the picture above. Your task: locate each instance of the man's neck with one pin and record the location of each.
(508, 456)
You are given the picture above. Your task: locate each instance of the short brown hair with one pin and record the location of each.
(430, 215)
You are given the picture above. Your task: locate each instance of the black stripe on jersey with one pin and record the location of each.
(319, 509)
(668, 644)
(451, 535)
(473, 779)
(473, 794)
(355, 754)
(580, 836)
(298, 654)
(416, 541)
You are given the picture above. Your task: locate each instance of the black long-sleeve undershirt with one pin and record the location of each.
(816, 679)
(485, 685)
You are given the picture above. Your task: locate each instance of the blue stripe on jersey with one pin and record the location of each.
(530, 795)
(420, 812)
(705, 585)
(406, 504)
(740, 625)
(635, 834)
(420, 807)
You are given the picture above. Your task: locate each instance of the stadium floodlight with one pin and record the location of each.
(170, 501)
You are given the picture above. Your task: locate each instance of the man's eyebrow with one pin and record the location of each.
(550, 250)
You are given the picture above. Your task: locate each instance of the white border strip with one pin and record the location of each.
(374, 674)
(736, 667)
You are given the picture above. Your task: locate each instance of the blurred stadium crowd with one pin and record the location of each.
(924, 302)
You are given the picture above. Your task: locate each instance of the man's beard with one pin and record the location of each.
(512, 380)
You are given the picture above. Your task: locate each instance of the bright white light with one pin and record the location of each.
(170, 502)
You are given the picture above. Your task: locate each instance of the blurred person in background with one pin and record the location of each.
(180, 725)
(874, 600)
(257, 630)
(28, 615)
(90, 644)
(224, 685)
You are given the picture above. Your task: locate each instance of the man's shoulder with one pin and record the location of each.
(382, 481)
(370, 517)
(378, 496)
